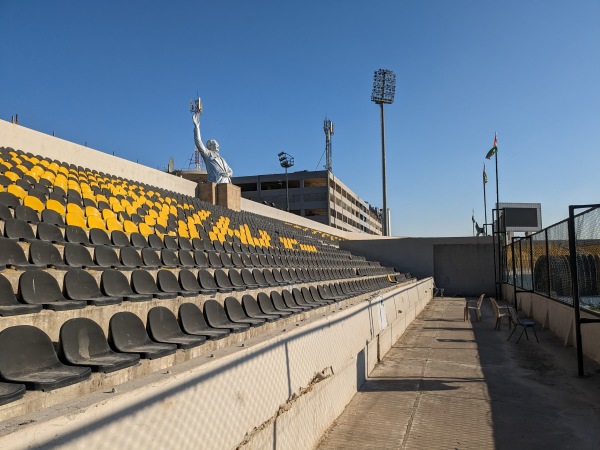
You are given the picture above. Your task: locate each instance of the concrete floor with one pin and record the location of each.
(454, 384)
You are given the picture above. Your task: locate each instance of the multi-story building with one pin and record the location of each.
(317, 195)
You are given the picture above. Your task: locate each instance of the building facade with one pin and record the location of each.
(316, 195)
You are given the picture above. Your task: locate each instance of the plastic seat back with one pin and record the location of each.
(35, 364)
(193, 322)
(163, 327)
(82, 342)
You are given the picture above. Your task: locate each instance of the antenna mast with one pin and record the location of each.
(328, 128)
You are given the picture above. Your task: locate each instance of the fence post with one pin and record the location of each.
(575, 288)
(531, 262)
(548, 264)
(514, 271)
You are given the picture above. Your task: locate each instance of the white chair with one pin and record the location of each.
(501, 312)
(471, 305)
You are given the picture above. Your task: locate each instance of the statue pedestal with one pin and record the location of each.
(222, 194)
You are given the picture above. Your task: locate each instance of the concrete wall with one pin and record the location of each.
(280, 389)
(32, 141)
(558, 318)
(460, 265)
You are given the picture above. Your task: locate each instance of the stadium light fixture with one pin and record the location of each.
(384, 90)
(286, 161)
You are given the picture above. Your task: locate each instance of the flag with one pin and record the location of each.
(494, 149)
(485, 180)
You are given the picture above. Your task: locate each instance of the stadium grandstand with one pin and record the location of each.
(129, 307)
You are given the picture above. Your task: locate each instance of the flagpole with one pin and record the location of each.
(500, 269)
(484, 203)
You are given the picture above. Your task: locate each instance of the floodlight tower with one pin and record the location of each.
(384, 89)
(328, 128)
(286, 161)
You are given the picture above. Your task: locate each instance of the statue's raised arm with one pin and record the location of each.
(216, 167)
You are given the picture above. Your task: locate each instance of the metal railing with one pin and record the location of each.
(561, 262)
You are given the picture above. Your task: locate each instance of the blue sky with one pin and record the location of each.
(120, 75)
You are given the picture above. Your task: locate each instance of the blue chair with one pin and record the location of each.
(518, 322)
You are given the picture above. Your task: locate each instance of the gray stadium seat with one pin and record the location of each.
(167, 282)
(76, 235)
(10, 392)
(18, 229)
(49, 233)
(40, 288)
(77, 255)
(217, 318)
(222, 281)
(236, 313)
(105, 256)
(142, 282)
(275, 301)
(83, 343)
(9, 305)
(253, 311)
(207, 282)
(163, 327)
(79, 284)
(128, 335)
(27, 356)
(193, 322)
(46, 254)
(115, 284)
(131, 258)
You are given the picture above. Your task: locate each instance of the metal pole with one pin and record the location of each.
(548, 262)
(287, 196)
(575, 289)
(494, 249)
(485, 207)
(385, 212)
(500, 262)
(514, 271)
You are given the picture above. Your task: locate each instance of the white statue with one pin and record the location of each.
(217, 168)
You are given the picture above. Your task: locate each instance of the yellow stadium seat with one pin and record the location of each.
(113, 224)
(34, 203)
(130, 227)
(145, 229)
(183, 232)
(96, 222)
(75, 209)
(108, 214)
(16, 190)
(76, 220)
(11, 175)
(149, 220)
(56, 206)
(91, 211)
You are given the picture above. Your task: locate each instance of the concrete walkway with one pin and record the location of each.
(454, 384)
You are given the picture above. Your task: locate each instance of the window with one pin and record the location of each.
(315, 182)
(248, 187)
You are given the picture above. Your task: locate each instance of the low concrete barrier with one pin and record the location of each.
(279, 389)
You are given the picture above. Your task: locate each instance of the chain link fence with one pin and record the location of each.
(541, 262)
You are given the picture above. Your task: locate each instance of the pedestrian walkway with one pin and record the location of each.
(454, 384)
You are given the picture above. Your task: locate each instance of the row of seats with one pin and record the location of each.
(66, 184)
(39, 289)
(83, 346)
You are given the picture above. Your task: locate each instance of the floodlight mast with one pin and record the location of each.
(328, 128)
(384, 89)
(286, 161)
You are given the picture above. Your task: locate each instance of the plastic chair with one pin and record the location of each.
(27, 356)
(193, 322)
(471, 305)
(128, 335)
(83, 343)
(500, 312)
(518, 322)
(163, 327)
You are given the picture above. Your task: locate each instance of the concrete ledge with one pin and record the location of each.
(283, 387)
(558, 318)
